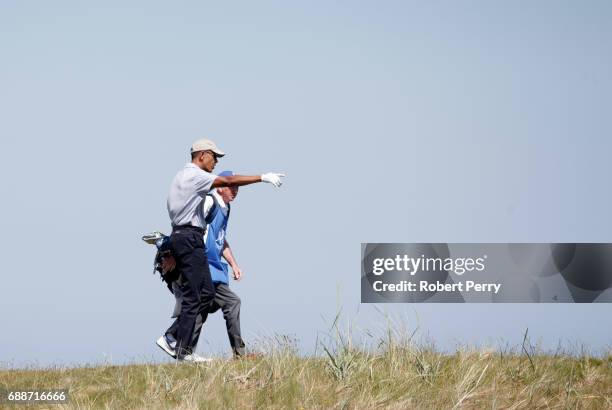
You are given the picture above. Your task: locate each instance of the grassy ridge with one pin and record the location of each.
(396, 376)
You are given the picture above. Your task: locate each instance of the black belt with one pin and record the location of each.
(189, 227)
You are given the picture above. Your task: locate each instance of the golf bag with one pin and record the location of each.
(164, 260)
(164, 253)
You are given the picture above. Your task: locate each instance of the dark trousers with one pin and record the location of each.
(187, 244)
(229, 303)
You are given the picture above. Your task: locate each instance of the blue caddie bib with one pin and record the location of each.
(215, 240)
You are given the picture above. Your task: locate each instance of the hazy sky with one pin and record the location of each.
(395, 121)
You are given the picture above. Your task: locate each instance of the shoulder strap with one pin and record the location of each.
(212, 211)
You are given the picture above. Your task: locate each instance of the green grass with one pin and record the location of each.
(395, 374)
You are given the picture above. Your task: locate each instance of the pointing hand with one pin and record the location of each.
(273, 178)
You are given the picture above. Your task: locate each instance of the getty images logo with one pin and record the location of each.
(411, 265)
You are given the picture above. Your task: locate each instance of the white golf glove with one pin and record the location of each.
(272, 178)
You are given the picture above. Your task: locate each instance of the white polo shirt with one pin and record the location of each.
(187, 191)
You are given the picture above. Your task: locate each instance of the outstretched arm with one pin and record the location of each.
(240, 180)
(229, 257)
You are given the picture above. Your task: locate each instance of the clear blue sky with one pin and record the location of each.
(394, 121)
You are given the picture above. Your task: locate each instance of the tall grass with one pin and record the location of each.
(390, 371)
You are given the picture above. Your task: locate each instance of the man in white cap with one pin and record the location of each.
(187, 191)
(220, 257)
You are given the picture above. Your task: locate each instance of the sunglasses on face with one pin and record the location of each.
(215, 156)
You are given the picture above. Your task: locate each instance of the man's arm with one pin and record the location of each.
(240, 180)
(229, 257)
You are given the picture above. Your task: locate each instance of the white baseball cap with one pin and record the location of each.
(206, 145)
